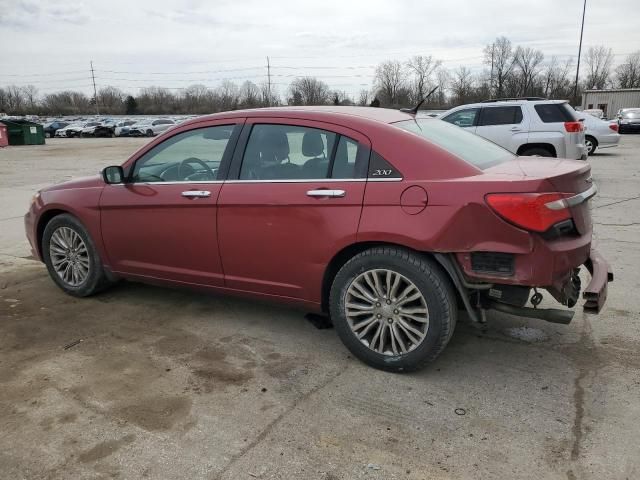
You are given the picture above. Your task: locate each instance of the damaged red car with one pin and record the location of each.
(388, 223)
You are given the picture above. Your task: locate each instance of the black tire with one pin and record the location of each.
(149, 133)
(96, 279)
(539, 151)
(591, 144)
(435, 287)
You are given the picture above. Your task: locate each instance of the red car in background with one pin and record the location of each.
(386, 222)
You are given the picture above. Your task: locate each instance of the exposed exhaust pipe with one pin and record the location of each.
(552, 315)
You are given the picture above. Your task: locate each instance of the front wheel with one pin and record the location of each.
(393, 309)
(149, 133)
(71, 257)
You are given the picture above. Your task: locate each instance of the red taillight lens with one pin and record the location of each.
(613, 126)
(573, 127)
(529, 210)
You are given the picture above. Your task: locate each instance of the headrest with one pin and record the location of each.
(312, 144)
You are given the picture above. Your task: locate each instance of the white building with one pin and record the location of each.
(610, 101)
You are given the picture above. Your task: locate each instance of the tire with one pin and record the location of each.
(536, 151)
(591, 144)
(437, 301)
(149, 133)
(47, 135)
(63, 226)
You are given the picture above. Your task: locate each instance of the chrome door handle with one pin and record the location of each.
(515, 129)
(326, 193)
(196, 193)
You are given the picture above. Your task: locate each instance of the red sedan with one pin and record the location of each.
(386, 222)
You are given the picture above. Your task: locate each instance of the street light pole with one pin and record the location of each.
(575, 88)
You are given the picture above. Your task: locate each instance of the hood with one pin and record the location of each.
(81, 182)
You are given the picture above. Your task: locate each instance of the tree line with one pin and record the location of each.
(508, 71)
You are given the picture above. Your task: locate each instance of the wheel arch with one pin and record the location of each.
(547, 146)
(348, 252)
(44, 219)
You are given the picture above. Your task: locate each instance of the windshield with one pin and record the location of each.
(631, 114)
(469, 147)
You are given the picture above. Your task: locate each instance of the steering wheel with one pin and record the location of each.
(182, 174)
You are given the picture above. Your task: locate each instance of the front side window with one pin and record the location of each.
(186, 157)
(463, 118)
(500, 116)
(287, 152)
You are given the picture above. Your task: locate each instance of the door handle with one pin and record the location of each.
(196, 194)
(326, 193)
(515, 129)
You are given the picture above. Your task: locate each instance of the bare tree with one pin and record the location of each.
(421, 68)
(444, 80)
(554, 80)
(598, 61)
(308, 91)
(30, 97)
(529, 62)
(499, 55)
(390, 81)
(462, 84)
(250, 95)
(111, 100)
(363, 98)
(628, 73)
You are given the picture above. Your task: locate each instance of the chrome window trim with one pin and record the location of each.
(573, 201)
(297, 180)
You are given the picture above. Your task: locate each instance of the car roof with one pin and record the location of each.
(381, 115)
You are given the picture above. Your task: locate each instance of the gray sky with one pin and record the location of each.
(175, 43)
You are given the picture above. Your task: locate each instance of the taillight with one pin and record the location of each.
(613, 126)
(573, 127)
(531, 211)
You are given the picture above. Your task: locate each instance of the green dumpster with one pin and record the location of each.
(23, 132)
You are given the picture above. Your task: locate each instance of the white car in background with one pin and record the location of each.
(151, 127)
(122, 128)
(599, 133)
(72, 130)
(595, 112)
(525, 126)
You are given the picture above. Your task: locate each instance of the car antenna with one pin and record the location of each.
(414, 110)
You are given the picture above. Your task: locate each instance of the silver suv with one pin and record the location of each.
(531, 126)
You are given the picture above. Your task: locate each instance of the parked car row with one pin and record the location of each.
(109, 127)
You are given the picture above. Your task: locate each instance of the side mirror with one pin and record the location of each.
(112, 175)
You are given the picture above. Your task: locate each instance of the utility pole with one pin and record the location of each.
(95, 92)
(268, 83)
(575, 88)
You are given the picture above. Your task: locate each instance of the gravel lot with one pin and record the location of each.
(176, 384)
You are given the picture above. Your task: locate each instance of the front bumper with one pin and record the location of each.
(595, 294)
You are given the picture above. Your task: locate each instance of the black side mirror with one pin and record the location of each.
(112, 175)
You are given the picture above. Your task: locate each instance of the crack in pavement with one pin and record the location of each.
(274, 423)
(616, 203)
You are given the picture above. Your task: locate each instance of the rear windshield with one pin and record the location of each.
(555, 112)
(469, 147)
(631, 114)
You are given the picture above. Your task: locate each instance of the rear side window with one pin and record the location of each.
(500, 116)
(554, 112)
(469, 147)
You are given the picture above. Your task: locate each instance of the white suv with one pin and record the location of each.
(548, 128)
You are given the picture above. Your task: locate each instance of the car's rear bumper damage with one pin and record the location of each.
(480, 296)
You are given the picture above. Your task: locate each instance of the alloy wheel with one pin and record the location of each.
(387, 312)
(69, 256)
(589, 145)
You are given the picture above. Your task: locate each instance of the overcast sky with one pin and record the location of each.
(175, 43)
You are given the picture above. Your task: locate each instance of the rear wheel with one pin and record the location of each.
(71, 257)
(393, 309)
(591, 143)
(536, 152)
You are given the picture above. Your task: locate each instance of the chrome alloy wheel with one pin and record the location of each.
(386, 312)
(589, 143)
(69, 256)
